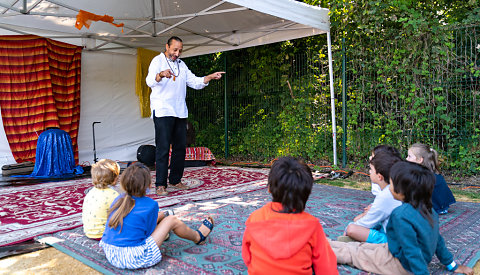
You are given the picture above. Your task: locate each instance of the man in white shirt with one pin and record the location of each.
(168, 76)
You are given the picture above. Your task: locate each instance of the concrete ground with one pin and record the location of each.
(42, 262)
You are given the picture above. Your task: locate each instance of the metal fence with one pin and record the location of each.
(262, 120)
(287, 112)
(436, 104)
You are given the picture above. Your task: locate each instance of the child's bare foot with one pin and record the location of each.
(204, 230)
(464, 269)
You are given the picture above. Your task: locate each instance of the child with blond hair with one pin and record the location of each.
(99, 198)
(442, 196)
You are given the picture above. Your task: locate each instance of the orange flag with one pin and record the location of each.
(85, 18)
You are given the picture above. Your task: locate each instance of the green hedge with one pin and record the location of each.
(413, 72)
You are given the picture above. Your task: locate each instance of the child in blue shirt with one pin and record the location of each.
(412, 231)
(442, 196)
(135, 230)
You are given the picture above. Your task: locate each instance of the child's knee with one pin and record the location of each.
(350, 230)
(172, 219)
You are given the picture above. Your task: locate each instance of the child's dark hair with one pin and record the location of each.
(134, 181)
(386, 148)
(290, 183)
(415, 182)
(383, 162)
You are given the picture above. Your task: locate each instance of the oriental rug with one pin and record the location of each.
(334, 206)
(29, 211)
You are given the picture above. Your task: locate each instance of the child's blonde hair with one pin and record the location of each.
(105, 173)
(429, 155)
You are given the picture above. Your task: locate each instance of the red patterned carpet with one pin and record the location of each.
(334, 206)
(29, 211)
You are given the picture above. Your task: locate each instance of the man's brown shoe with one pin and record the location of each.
(180, 186)
(161, 191)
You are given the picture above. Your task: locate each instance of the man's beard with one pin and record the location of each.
(172, 57)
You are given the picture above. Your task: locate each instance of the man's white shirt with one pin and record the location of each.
(168, 95)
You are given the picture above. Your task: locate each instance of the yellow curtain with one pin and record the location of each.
(144, 57)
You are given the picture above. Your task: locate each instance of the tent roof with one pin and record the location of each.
(205, 26)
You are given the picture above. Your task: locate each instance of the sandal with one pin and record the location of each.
(209, 223)
(161, 191)
(168, 212)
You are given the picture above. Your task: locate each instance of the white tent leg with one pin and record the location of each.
(332, 98)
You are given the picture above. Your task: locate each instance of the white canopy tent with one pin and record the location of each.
(108, 61)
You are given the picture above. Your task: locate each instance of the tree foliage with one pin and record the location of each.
(407, 82)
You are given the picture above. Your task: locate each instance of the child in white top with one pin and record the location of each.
(413, 231)
(382, 148)
(370, 226)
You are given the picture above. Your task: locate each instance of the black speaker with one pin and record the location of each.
(146, 155)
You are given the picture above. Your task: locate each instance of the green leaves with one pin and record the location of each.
(412, 76)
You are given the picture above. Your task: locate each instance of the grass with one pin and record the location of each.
(465, 195)
(345, 183)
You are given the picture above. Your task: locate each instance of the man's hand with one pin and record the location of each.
(215, 75)
(167, 73)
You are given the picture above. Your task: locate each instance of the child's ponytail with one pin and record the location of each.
(123, 206)
(134, 180)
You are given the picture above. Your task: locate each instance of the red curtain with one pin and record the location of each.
(39, 88)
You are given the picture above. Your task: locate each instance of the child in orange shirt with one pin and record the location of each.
(280, 238)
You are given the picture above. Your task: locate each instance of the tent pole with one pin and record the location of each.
(154, 24)
(24, 10)
(225, 105)
(344, 104)
(332, 99)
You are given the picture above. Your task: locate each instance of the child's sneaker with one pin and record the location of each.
(443, 212)
(345, 239)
